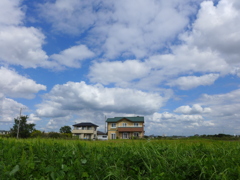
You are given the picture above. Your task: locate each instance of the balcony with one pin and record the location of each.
(131, 126)
(130, 129)
(81, 131)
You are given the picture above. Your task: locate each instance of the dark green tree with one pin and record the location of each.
(65, 129)
(25, 129)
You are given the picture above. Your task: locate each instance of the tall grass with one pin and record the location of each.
(130, 159)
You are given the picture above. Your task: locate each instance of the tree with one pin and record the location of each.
(36, 133)
(25, 129)
(65, 129)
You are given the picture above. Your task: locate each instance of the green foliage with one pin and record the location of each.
(53, 135)
(37, 133)
(65, 129)
(119, 159)
(25, 129)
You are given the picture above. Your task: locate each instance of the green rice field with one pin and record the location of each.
(34, 159)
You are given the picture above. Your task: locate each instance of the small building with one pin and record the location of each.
(125, 127)
(102, 135)
(4, 132)
(85, 130)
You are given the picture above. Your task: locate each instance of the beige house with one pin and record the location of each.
(125, 127)
(85, 130)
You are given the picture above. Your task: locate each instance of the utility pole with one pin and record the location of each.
(105, 124)
(19, 121)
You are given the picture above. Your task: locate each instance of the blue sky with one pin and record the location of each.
(174, 62)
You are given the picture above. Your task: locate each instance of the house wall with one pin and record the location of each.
(102, 137)
(129, 124)
(84, 134)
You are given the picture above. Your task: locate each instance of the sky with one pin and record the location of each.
(175, 62)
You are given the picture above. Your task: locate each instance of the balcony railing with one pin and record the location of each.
(130, 129)
(83, 131)
(131, 126)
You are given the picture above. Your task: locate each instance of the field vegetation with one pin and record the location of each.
(58, 159)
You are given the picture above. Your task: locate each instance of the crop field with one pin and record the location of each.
(119, 159)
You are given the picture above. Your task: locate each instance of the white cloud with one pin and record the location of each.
(72, 16)
(222, 99)
(163, 69)
(189, 82)
(225, 110)
(73, 97)
(22, 46)
(195, 109)
(10, 14)
(14, 85)
(121, 27)
(19, 45)
(117, 71)
(173, 124)
(9, 109)
(32, 118)
(72, 56)
(221, 32)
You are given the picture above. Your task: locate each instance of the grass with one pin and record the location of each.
(119, 159)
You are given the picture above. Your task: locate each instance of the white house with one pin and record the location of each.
(102, 135)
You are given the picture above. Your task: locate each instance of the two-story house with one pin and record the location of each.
(125, 127)
(85, 130)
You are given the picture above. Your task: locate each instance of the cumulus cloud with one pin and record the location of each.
(14, 14)
(222, 110)
(195, 109)
(207, 48)
(222, 99)
(189, 82)
(72, 56)
(20, 45)
(117, 71)
(14, 85)
(184, 124)
(221, 33)
(169, 118)
(32, 118)
(121, 27)
(9, 109)
(163, 69)
(72, 97)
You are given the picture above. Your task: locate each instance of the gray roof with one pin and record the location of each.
(85, 124)
(101, 133)
(133, 119)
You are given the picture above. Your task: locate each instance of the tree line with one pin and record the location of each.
(22, 129)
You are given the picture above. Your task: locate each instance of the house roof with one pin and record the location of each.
(133, 119)
(101, 133)
(85, 124)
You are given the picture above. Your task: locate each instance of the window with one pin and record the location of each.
(136, 134)
(89, 128)
(84, 128)
(135, 124)
(124, 124)
(113, 125)
(113, 136)
(125, 135)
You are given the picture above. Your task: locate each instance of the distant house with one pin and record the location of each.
(4, 132)
(125, 127)
(85, 130)
(102, 135)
